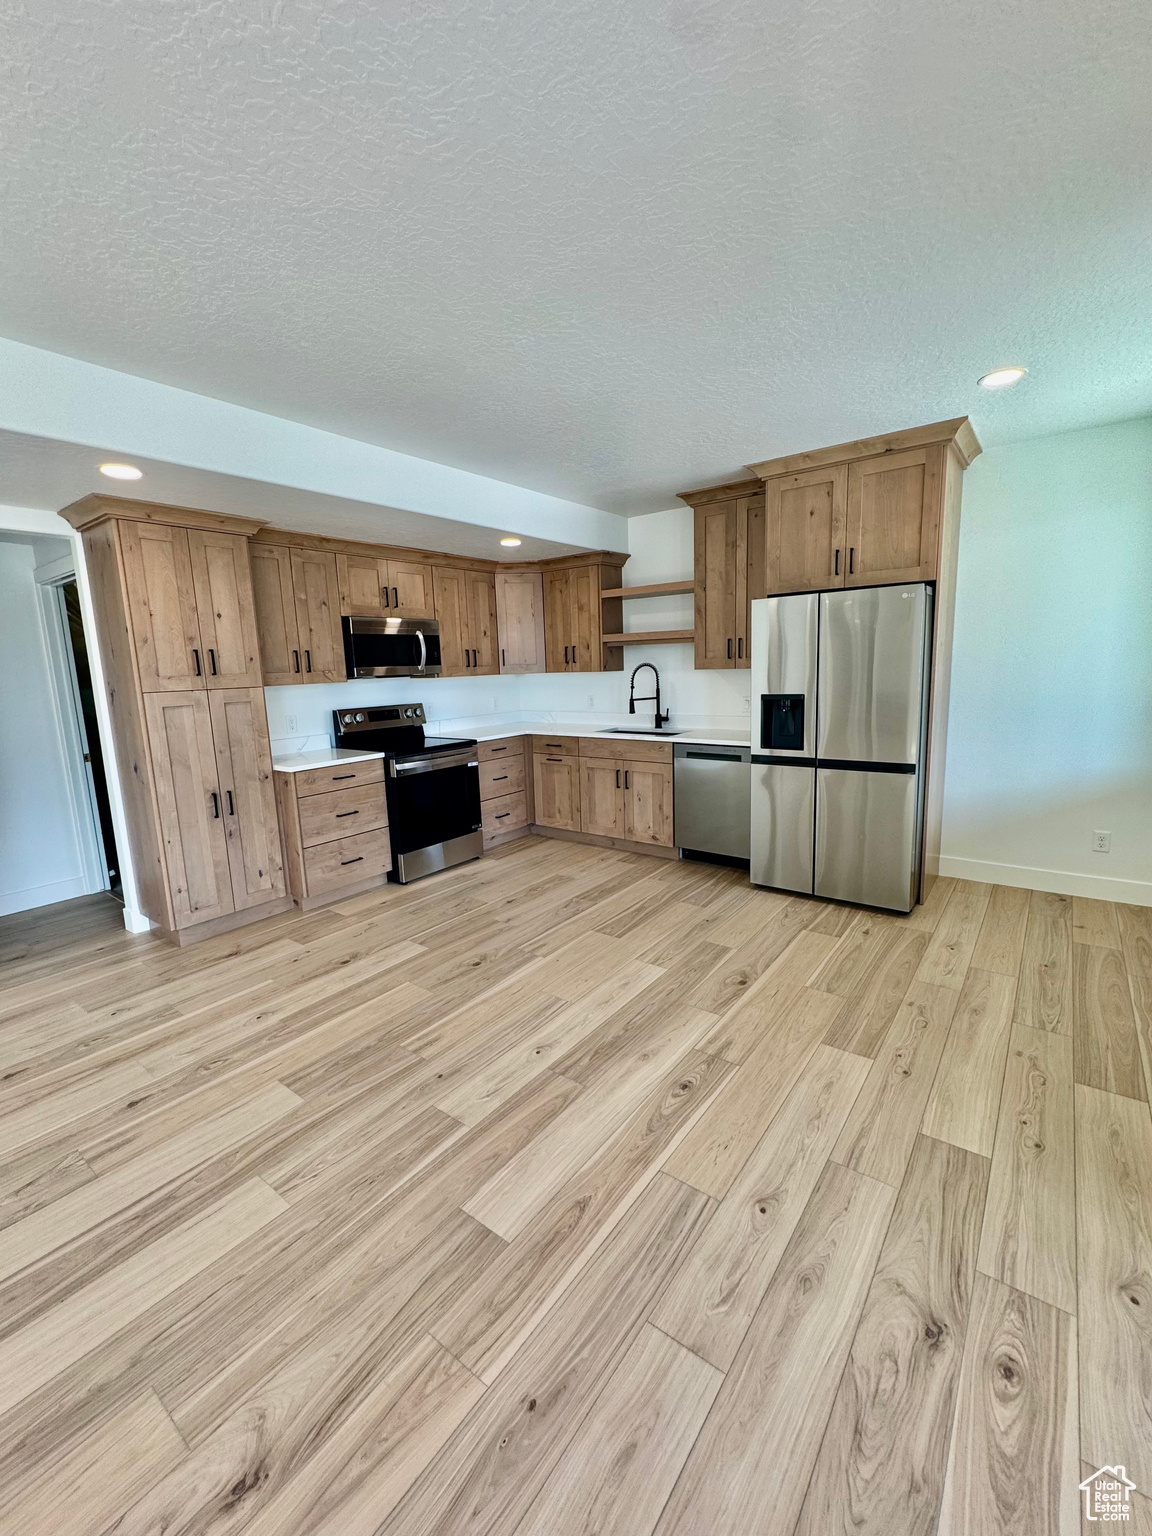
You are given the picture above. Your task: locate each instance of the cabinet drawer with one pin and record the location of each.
(620, 747)
(507, 814)
(551, 746)
(502, 750)
(342, 813)
(319, 781)
(347, 861)
(501, 777)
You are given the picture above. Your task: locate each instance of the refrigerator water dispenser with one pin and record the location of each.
(782, 722)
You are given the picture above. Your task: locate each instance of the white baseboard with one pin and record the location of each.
(136, 922)
(1137, 893)
(42, 895)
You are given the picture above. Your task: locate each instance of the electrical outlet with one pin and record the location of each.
(289, 725)
(591, 701)
(495, 702)
(1101, 842)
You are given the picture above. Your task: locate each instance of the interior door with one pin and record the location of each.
(866, 843)
(318, 615)
(244, 768)
(225, 609)
(894, 507)
(451, 605)
(804, 537)
(482, 620)
(557, 620)
(162, 605)
(364, 589)
(412, 590)
(715, 566)
(190, 804)
(602, 797)
(648, 803)
(520, 621)
(277, 628)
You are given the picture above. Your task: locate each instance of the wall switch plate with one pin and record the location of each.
(1101, 842)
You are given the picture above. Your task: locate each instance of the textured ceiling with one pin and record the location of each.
(601, 250)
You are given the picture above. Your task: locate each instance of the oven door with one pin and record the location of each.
(433, 799)
(391, 647)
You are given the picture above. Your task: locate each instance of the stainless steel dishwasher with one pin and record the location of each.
(712, 790)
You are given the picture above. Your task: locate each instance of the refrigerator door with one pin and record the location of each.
(872, 673)
(784, 674)
(867, 843)
(782, 807)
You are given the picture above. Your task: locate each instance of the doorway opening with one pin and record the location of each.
(84, 705)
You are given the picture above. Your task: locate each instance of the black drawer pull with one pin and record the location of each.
(341, 814)
(559, 745)
(498, 749)
(499, 779)
(359, 859)
(500, 815)
(336, 777)
(553, 759)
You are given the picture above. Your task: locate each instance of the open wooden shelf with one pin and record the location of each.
(653, 637)
(654, 589)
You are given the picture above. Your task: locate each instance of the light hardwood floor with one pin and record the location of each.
(573, 1191)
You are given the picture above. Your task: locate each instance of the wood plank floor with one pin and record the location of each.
(573, 1191)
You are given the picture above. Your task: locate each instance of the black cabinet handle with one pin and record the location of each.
(836, 567)
(336, 777)
(475, 657)
(307, 661)
(395, 598)
(359, 859)
(384, 590)
(851, 560)
(729, 650)
(500, 815)
(196, 659)
(503, 658)
(625, 778)
(467, 658)
(499, 779)
(212, 660)
(341, 814)
(740, 649)
(553, 759)
(231, 807)
(498, 749)
(295, 661)
(617, 778)
(215, 806)
(565, 655)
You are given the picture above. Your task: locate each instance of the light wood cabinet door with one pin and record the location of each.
(556, 783)
(451, 605)
(318, 615)
(277, 629)
(805, 518)
(520, 621)
(602, 797)
(225, 609)
(482, 621)
(584, 600)
(558, 621)
(715, 574)
(162, 605)
(244, 773)
(894, 510)
(411, 589)
(364, 589)
(648, 803)
(191, 806)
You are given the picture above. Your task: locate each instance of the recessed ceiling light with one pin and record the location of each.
(1001, 378)
(510, 543)
(121, 471)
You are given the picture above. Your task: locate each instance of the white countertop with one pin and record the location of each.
(299, 762)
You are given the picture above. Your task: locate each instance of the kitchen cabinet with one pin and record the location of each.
(729, 572)
(374, 586)
(602, 797)
(465, 604)
(805, 522)
(248, 803)
(574, 619)
(451, 607)
(277, 629)
(556, 791)
(648, 803)
(626, 797)
(520, 621)
(894, 514)
(335, 823)
(225, 609)
(504, 797)
(317, 596)
(161, 603)
(482, 621)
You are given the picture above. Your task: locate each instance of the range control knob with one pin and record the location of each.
(359, 716)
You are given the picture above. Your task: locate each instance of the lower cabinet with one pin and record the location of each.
(602, 797)
(588, 790)
(335, 832)
(556, 791)
(503, 788)
(212, 769)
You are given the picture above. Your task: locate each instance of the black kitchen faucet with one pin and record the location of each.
(646, 698)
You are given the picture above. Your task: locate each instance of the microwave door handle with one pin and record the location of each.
(423, 650)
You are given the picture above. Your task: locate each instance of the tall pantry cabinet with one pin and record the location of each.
(176, 621)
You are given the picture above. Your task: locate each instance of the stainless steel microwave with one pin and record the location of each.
(391, 647)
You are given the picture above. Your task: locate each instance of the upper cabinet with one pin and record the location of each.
(465, 604)
(482, 621)
(222, 582)
(317, 595)
(276, 625)
(520, 620)
(729, 570)
(864, 513)
(574, 617)
(376, 587)
(162, 606)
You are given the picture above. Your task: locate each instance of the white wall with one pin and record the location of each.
(1050, 727)
(40, 856)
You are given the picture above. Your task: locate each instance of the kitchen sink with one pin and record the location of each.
(634, 730)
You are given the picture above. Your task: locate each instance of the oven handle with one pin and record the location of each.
(423, 650)
(432, 764)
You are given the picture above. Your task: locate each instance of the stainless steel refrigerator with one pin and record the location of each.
(840, 686)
